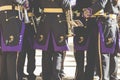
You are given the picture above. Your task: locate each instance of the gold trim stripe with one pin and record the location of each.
(7, 7)
(53, 10)
(106, 15)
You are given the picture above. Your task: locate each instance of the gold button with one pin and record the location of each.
(6, 19)
(5, 12)
(16, 16)
(58, 15)
(60, 21)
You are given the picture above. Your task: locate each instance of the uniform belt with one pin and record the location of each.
(8, 7)
(53, 10)
(30, 14)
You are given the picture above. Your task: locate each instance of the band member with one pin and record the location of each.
(52, 36)
(108, 36)
(27, 47)
(11, 30)
(81, 38)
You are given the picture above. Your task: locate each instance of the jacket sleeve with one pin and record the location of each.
(99, 5)
(36, 6)
(119, 5)
(65, 4)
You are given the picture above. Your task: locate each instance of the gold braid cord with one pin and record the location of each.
(68, 19)
(99, 55)
(71, 23)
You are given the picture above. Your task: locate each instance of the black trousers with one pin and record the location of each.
(79, 58)
(30, 64)
(92, 51)
(8, 66)
(109, 62)
(27, 50)
(51, 63)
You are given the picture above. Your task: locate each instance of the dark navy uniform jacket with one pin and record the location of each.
(81, 38)
(11, 26)
(108, 27)
(31, 5)
(6, 2)
(109, 6)
(52, 24)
